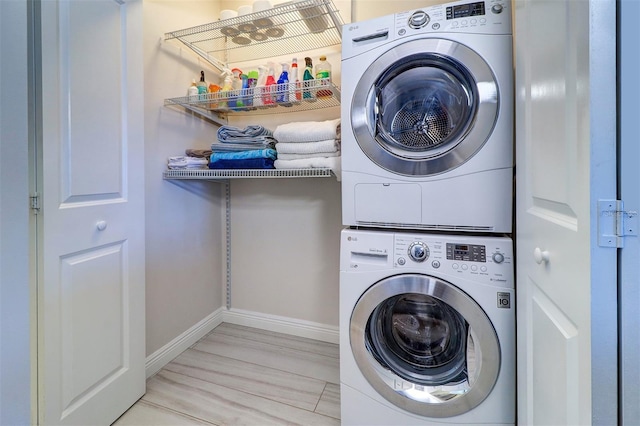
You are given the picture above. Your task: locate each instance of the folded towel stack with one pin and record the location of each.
(248, 148)
(186, 162)
(309, 144)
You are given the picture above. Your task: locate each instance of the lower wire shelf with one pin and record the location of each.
(217, 174)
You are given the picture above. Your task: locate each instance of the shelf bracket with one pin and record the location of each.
(215, 62)
(215, 118)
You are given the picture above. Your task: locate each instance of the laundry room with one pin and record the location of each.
(370, 283)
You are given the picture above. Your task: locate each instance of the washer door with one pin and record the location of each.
(424, 107)
(425, 345)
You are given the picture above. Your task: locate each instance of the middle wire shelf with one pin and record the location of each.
(279, 98)
(216, 174)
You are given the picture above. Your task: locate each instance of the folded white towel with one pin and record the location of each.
(185, 162)
(333, 163)
(307, 131)
(310, 155)
(329, 145)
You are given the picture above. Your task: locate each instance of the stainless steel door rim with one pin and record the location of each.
(444, 394)
(437, 61)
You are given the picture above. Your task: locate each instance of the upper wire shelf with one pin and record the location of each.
(286, 28)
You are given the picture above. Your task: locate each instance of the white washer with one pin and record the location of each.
(427, 329)
(427, 119)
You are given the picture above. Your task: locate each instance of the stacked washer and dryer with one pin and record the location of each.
(427, 321)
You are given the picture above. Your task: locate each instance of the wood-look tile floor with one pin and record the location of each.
(243, 376)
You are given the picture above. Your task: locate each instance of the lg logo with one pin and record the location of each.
(504, 300)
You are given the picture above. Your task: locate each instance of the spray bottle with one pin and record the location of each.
(237, 86)
(294, 85)
(202, 87)
(283, 86)
(227, 88)
(258, 93)
(270, 87)
(309, 93)
(252, 82)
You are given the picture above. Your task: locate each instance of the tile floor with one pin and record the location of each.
(243, 376)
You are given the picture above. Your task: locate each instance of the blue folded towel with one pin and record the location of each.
(247, 163)
(240, 155)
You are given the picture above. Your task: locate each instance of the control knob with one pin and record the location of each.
(497, 8)
(418, 251)
(418, 20)
(498, 257)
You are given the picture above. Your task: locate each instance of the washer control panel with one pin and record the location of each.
(488, 259)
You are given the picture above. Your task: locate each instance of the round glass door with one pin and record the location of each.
(425, 345)
(424, 107)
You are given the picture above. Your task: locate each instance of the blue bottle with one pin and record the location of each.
(282, 96)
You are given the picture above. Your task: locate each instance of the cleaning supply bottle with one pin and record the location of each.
(214, 88)
(294, 85)
(268, 97)
(236, 83)
(323, 75)
(227, 89)
(192, 92)
(252, 82)
(203, 87)
(243, 99)
(258, 92)
(283, 86)
(308, 83)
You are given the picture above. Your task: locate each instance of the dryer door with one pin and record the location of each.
(424, 107)
(425, 345)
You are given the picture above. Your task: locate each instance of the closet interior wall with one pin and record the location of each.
(184, 219)
(284, 241)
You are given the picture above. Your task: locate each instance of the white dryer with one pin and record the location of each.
(427, 119)
(427, 329)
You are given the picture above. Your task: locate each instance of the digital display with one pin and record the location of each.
(466, 252)
(464, 10)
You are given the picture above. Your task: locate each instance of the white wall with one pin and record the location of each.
(286, 232)
(15, 378)
(184, 244)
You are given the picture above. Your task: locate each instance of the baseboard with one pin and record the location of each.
(168, 352)
(295, 327)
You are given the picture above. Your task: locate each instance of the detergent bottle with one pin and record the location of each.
(268, 97)
(258, 92)
(226, 91)
(323, 76)
(192, 92)
(294, 85)
(283, 86)
(308, 83)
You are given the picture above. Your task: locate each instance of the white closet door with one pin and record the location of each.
(91, 277)
(566, 162)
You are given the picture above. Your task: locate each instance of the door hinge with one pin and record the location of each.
(34, 203)
(615, 223)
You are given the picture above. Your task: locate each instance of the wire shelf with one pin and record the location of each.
(215, 174)
(284, 29)
(311, 94)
